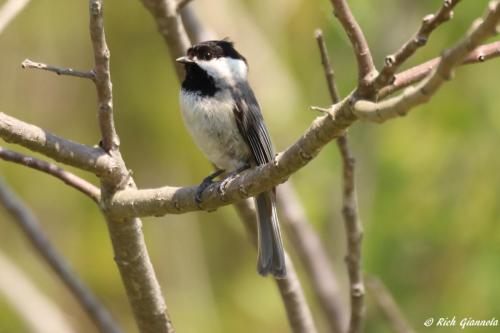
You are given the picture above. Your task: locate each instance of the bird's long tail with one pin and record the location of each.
(271, 257)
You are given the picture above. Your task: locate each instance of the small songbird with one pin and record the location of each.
(223, 116)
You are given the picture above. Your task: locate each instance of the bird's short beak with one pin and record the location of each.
(184, 60)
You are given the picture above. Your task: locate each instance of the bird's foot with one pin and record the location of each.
(203, 186)
(230, 177)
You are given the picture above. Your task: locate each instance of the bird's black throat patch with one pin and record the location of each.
(197, 80)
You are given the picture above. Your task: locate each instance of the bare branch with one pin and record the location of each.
(419, 72)
(413, 96)
(327, 67)
(171, 28)
(110, 140)
(386, 303)
(29, 225)
(353, 227)
(62, 150)
(298, 312)
(429, 24)
(308, 245)
(58, 70)
(366, 68)
(67, 177)
(9, 10)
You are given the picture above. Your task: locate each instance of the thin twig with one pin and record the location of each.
(29, 225)
(429, 24)
(451, 58)
(366, 68)
(298, 312)
(415, 74)
(9, 10)
(386, 303)
(27, 63)
(353, 226)
(182, 3)
(110, 140)
(67, 177)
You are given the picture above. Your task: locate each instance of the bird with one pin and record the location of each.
(221, 112)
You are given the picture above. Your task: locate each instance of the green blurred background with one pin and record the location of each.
(429, 183)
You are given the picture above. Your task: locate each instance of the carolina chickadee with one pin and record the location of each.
(223, 116)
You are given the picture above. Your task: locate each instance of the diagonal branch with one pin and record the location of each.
(171, 28)
(419, 72)
(386, 303)
(366, 68)
(353, 226)
(62, 150)
(67, 177)
(429, 24)
(58, 70)
(29, 225)
(413, 96)
(9, 10)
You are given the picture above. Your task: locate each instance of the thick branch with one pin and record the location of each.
(413, 96)
(429, 24)
(58, 70)
(28, 224)
(353, 227)
(110, 140)
(62, 150)
(67, 177)
(419, 72)
(366, 68)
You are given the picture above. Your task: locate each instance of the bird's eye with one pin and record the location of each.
(208, 56)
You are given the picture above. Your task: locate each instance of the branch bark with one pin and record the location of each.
(67, 177)
(366, 68)
(451, 58)
(353, 226)
(29, 225)
(131, 255)
(27, 63)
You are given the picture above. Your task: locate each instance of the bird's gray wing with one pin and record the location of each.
(251, 123)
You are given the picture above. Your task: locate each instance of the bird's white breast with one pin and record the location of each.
(211, 123)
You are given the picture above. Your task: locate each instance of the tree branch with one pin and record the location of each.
(429, 24)
(353, 227)
(110, 140)
(415, 74)
(181, 4)
(62, 150)
(387, 305)
(67, 177)
(366, 68)
(451, 58)
(9, 10)
(28, 224)
(58, 70)
(131, 255)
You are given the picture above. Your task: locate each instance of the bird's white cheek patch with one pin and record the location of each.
(225, 69)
